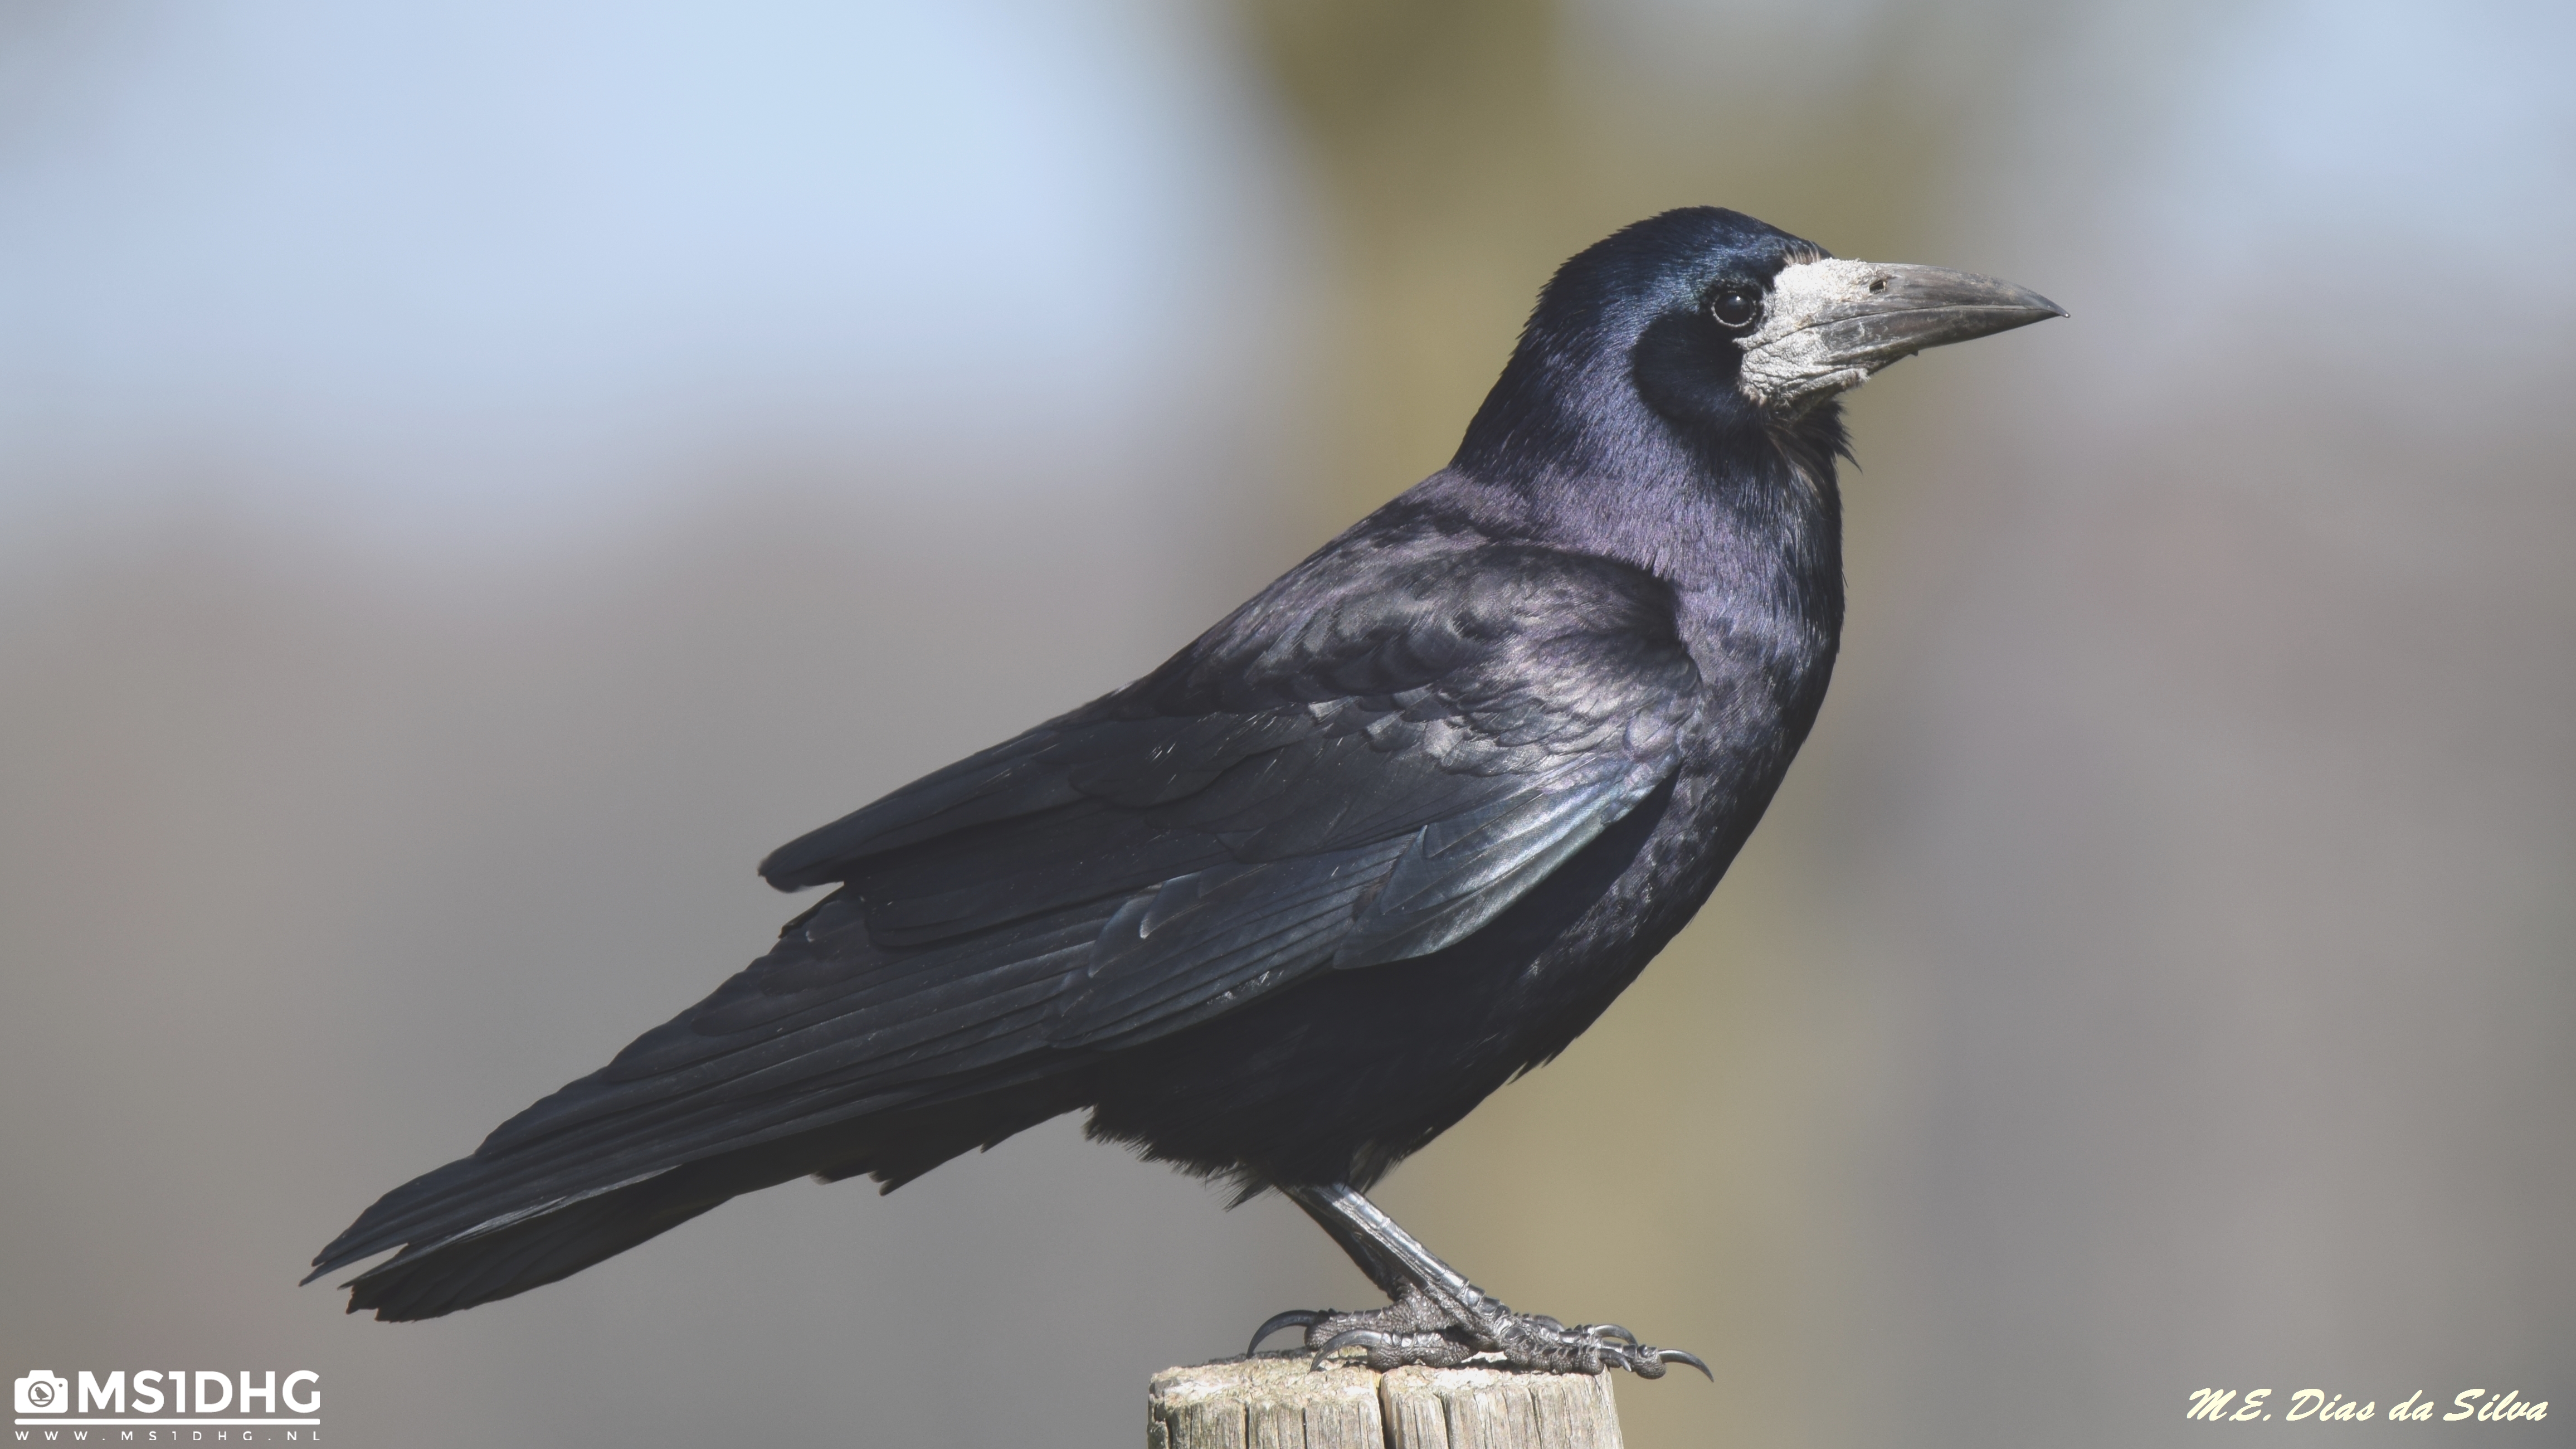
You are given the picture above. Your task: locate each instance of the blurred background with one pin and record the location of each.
(474, 478)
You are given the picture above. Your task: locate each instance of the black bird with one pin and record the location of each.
(1286, 908)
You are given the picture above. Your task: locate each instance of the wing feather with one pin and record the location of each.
(1367, 764)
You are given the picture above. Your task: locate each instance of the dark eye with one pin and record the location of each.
(1735, 307)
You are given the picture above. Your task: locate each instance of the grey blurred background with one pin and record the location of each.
(473, 478)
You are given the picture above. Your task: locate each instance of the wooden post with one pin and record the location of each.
(1275, 1402)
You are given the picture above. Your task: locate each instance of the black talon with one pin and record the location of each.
(1612, 1330)
(1349, 1338)
(1293, 1318)
(1675, 1355)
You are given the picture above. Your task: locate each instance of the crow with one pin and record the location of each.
(1282, 911)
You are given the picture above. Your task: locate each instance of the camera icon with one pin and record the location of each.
(43, 1393)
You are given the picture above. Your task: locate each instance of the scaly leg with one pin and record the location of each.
(1440, 1319)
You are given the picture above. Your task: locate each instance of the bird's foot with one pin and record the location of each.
(1415, 1329)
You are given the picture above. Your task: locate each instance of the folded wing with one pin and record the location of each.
(1362, 766)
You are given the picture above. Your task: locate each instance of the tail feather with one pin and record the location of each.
(516, 1246)
(531, 1253)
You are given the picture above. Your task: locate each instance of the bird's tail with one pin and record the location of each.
(531, 1253)
(513, 1245)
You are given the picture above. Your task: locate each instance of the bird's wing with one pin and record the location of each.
(1365, 764)
(1353, 770)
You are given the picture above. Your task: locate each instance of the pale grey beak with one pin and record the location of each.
(1829, 324)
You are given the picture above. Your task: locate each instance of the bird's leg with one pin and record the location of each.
(1440, 1319)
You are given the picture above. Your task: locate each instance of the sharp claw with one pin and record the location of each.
(1522, 1340)
(1675, 1355)
(1349, 1338)
(1293, 1318)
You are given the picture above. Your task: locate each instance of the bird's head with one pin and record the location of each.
(1711, 319)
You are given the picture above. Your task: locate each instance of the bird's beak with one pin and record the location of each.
(1829, 324)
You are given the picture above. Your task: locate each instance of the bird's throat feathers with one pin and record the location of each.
(1740, 519)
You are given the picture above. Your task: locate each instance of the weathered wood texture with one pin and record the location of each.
(1275, 1402)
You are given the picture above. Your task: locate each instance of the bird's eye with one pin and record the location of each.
(1735, 307)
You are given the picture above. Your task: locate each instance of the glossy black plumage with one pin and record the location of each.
(1397, 829)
